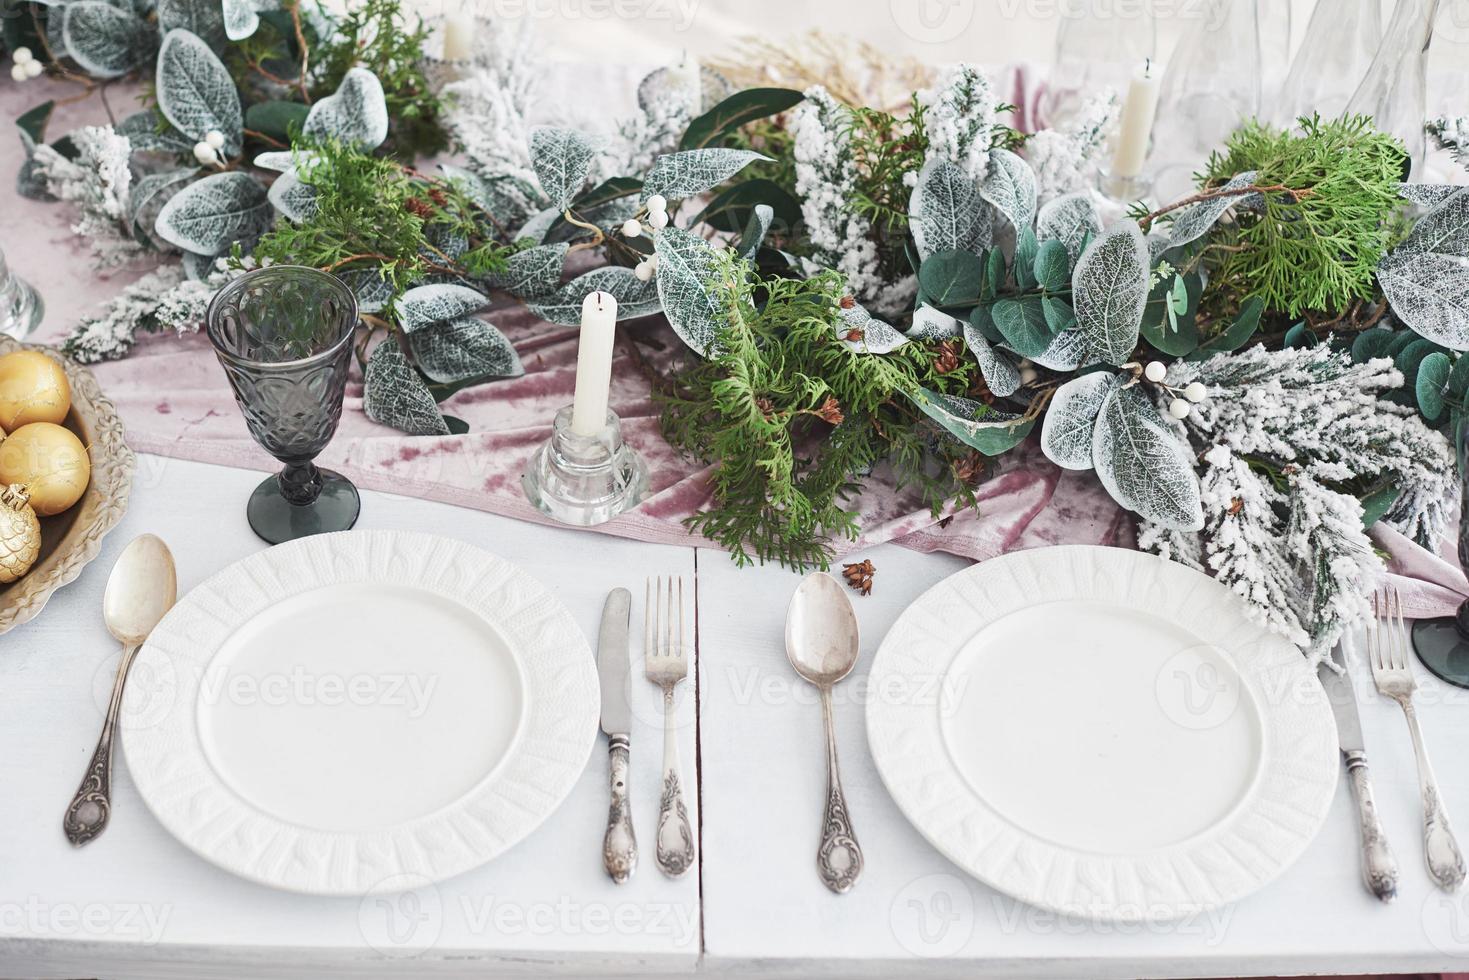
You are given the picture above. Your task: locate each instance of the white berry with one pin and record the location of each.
(1196, 392)
(215, 139)
(653, 262)
(1027, 375)
(18, 72)
(204, 153)
(1155, 371)
(22, 55)
(659, 220)
(631, 228)
(1179, 408)
(657, 203)
(643, 271)
(34, 68)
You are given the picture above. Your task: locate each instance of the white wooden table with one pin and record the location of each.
(136, 903)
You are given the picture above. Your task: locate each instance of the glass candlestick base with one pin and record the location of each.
(21, 308)
(1123, 190)
(584, 480)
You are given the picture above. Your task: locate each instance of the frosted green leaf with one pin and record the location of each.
(1145, 466)
(149, 195)
(1110, 291)
(141, 129)
(241, 19)
(282, 160)
(1429, 293)
(533, 272)
(634, 297)
(1000, 374)
(293, 198)
(436, 302)
(973, 423)
(393, 394)
(1066, 351)
(690, 172)
(1066, 433)
(945, 211)
(203, 18)
(756, 228)
(1052, 265)
(538, 224)
(932, 324)
(464, 348)
(105, 40)
(861, 331)
(372, 291)
(1069, 220)
(1444, 229)
(1010, 187)
(1432, 384)
(1428, 195)
(1022, 321)
(686, 264)
(1193, 222)
(195, 91)
(561, 159)
(356, 114)
(213, 213)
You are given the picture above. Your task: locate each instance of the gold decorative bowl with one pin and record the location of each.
(72, 538)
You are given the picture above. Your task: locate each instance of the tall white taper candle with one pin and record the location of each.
(459, 35)
(1137, 122)
(594, 364)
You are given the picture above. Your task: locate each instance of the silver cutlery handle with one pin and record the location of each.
(1445, 861)
(675, 850)
(620, 845)
(839, 858)
(1379, 868)
(91, 807)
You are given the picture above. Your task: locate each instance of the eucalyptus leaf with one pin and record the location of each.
(634, 297)
(1052, 267)
(1066, 352)
(533, 272)
(214, 212)
(861, 331)
(203, 18)
(1071, 418)
(149, 194)
(950, 276)
(1237, 334)
(1110, 290)
(1372, 343)
(393, 394)
(372, 291)
(1026, 249)
(278, 118)
(1023, 323)
(195, 91)
(689, 172)
(1193, 222)
(755, 231)
(293, 197)
(241, 19)
(281, 161)
(149, 131)
(1011, 187)
(973, 423)
(1001, 376)
(356, 114)
(1145, 465)
(1444, 229)
(1069, 220)
(464, 348)
(1428, 195)
(104, 40)
(536, 227)
(422, 305)
(1432, 384)
(562, 158)
(946, 212)
(1429, 293)
(686, 265)
(931, 324)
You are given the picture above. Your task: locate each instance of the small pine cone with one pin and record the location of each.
(948, 357)
(859, 575)
(766, 406)
(970, 469)
(419, 207)
(437, 195)
(830, 411)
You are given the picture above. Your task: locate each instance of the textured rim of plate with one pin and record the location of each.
(175, 779)
(1262, 835)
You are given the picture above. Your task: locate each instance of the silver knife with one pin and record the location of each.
(1379, 870)
(619, 846)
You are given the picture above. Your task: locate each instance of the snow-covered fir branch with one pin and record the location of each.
(164, 299)
(960, 119)
(490, 105)
(1452, 133)
(1067, 159)
(97, 183)
(1343, 569)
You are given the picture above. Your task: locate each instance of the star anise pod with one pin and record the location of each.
(859, 575)
(948, 357)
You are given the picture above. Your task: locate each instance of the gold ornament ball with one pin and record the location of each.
(20, 534)
(33, 388)
(50, 462)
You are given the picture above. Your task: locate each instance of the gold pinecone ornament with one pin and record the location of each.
(20, 533)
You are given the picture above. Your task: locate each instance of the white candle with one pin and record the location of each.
(1136, 127)
(458, 36)
(689, 76)
(594, 364)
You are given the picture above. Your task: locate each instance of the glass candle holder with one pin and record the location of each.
(585, 479)
(284, 337)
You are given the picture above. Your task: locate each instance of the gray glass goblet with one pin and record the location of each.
(284, 337)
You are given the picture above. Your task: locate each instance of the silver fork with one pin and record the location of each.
(1388, 657)
(666, 657)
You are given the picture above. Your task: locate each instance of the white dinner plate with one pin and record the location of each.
(1102, 733)
(333, 714)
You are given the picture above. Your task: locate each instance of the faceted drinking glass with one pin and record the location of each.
(284, 337)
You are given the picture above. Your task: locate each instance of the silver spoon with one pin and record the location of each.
(142, 587)
(821, 642)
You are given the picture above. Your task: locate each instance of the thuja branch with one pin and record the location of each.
(1146, 222)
